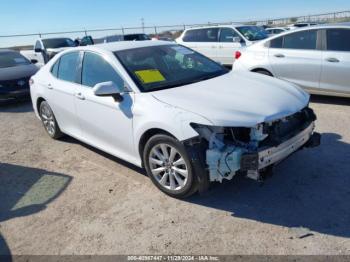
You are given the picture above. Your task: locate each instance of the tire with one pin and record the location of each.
(263, 72)
(169, 167)
(49, 121)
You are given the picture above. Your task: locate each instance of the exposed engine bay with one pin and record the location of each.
(231, 150)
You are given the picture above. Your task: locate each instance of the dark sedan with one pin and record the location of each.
(15, 72)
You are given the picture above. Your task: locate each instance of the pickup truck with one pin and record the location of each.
(45, 49)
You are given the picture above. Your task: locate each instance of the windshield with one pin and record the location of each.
(58, 43)
(12, 59)
(167, 66)
(253, 33)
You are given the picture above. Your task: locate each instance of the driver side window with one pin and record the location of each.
(97, 70)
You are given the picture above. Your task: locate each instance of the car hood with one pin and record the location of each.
(17, 72)
(244, 99)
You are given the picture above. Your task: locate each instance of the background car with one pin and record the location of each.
(220, 42)
(15, 72)
(316, 58)
(127, 37)
(46, 49)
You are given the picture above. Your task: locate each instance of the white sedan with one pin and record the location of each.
(184, 118)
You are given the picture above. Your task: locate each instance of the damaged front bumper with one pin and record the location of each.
(226, 152)
(269, 156)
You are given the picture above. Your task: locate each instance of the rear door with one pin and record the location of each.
(62, 87)
(296, 57)
(204, 41)
(336, 61)
(229, 42)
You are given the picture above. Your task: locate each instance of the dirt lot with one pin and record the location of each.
(63, 197)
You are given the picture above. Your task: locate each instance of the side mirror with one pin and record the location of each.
(34, 61)
(109, 89)
(38, 50)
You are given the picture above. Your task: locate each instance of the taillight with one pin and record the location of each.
(31, 82)
(238, 54)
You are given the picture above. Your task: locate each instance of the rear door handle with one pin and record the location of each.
(332, 60)
(80, 96)
(279, 55)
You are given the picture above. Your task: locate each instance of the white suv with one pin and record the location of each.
(186, 119)
(220, 42)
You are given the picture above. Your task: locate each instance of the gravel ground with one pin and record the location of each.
(63, 197)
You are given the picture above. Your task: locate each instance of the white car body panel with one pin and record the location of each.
(221, 52)
(310, 69)
(117, 127)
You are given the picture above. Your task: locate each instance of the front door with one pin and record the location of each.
(336, 61)
(105, 123)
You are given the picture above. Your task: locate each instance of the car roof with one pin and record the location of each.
(323, 26)
(124, 45)
(217, 26)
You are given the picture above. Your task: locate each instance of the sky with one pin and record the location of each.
(32, 16)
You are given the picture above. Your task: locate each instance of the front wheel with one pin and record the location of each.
(168, 166)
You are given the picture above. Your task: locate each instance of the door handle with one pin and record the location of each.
(279, 55)
(332, 60)
(49, 86)
(80, 96)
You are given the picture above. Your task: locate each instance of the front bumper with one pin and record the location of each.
(256, 161)
(14, 95)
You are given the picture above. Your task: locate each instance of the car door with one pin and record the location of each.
(61, 89)
(296, 57)
(105, 122)
(229, 43)
(336, 61)
(204, 41)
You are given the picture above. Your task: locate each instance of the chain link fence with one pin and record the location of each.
(26, 41)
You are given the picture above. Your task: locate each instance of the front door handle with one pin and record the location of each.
(80, 96)
(279, 55)
(49, 86)
(332, 60)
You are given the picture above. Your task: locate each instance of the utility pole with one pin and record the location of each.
(143, 25)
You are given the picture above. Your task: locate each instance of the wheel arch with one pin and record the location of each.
(147, 135)
(38, 103)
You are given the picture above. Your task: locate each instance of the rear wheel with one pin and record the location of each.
(169, 167)
(49, 121)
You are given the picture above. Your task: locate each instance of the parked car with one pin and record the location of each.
(300, 24)
(45, 49)
(316, 58)
(276, 30)
(15, 71)
(186, 119)
(220, 42)
(128, 37)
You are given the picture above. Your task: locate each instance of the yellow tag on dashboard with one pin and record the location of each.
(150, 76)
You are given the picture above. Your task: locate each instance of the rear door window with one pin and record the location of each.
(202, 35)
(338, 40)
(306, 40)
(68, 67)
